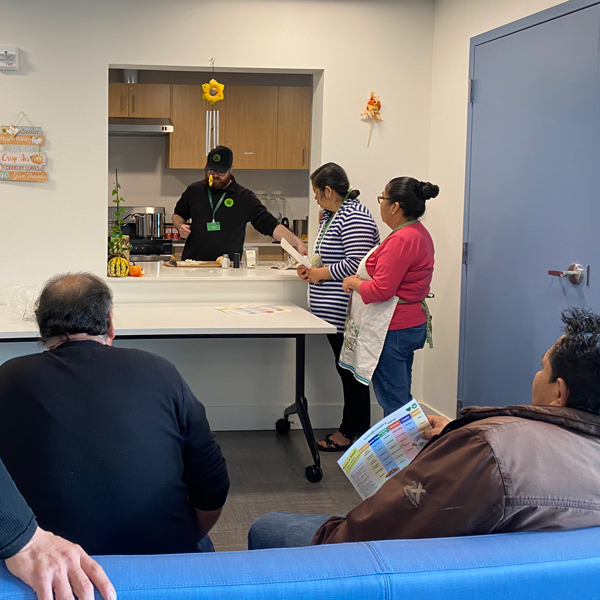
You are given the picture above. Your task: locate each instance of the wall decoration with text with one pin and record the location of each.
(20, 156)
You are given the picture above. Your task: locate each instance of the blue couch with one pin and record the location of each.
(533, 566)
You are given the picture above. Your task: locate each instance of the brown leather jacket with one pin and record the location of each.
(494, 470)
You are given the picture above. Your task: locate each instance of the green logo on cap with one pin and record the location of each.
(216, 158)
(228, 202)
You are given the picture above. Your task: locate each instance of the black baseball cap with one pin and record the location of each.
(219, 160)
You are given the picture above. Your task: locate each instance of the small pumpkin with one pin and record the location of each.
(135, 270)
(38, 159)
(117, 267)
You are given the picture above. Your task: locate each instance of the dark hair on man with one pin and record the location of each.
(335, 177)
(576, 359)
(73, 303)
(411, 195)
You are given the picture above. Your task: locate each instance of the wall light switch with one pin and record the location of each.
(9, 58)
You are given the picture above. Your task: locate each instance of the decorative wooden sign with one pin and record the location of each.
(20, 156)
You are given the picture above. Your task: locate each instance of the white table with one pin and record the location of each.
(204, 320)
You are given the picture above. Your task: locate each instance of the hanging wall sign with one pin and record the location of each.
(20, 156)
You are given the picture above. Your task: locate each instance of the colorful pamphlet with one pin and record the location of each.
(385, 449)
(262, 309)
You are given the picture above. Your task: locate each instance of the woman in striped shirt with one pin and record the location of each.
(346, 233)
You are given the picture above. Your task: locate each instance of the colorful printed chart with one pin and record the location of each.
(20, 156)
(385, 449)
(262, 309)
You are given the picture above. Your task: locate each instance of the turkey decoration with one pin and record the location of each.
(372, 113)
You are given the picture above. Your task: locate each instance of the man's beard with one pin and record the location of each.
(219, 185)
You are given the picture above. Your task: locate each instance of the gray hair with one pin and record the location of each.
(73, 303)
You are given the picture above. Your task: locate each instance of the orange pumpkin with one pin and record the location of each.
(135, 270)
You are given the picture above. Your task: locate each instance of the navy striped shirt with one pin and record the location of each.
(350, 235)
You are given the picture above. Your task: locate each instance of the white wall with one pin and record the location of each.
(66, 49)
(456, 22)
(68, 45)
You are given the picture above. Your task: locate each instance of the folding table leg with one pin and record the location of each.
(313, 472)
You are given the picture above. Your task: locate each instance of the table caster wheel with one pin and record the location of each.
(282, 426)
(314, 473)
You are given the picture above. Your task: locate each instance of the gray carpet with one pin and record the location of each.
(267, 474)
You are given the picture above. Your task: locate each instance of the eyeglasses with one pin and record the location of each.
(380, 198)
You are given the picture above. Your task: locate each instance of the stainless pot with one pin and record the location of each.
(300, 228)
(149, 225)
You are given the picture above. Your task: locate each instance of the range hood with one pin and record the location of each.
(138, 126)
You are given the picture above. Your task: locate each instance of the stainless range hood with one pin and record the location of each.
(138, 127)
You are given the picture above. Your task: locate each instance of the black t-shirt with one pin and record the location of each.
(110, 448)
(240, 206)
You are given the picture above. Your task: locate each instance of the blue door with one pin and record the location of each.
(532, 197)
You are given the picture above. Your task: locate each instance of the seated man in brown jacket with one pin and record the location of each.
(493, 470)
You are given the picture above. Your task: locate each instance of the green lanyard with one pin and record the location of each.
(212, 206)
(326, 227)
(404, 225)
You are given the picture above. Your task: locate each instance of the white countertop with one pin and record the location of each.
(162, 319)
(157, 271)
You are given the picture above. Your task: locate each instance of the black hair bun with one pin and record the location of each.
(428, 190)
(353, 194)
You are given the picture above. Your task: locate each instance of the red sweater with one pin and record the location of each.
(402, 266)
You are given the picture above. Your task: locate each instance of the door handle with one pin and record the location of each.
(574, 273)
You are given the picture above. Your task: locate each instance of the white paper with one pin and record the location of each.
(385, 449)
(294, 253)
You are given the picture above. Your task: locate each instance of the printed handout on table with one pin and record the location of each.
(258, 309)
(385, 449)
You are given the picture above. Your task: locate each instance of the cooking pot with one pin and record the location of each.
(149, 225)
(300, 229)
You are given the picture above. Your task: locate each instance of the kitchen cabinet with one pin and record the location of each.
(118, 100)
(186, 146)
(293, 127)
(150, 100)
(251, 126)
(145, 100)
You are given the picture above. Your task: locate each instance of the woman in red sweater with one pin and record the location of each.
(397, 277)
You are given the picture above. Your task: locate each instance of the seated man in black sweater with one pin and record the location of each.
(109, 446)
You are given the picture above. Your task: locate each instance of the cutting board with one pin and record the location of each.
(209, 265)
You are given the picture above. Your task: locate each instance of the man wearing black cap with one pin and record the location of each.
(220, 208)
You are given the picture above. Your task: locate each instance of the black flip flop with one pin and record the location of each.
(332, 446)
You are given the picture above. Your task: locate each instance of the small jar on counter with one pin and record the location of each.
(225, 261)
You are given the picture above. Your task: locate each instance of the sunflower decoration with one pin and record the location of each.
(213, 93)
(372, 113)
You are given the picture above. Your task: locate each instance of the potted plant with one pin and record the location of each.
(118, 244)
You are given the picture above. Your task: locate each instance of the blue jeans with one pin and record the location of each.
(393, 376)
(284, 530)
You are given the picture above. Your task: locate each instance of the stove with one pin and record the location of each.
(155, 246)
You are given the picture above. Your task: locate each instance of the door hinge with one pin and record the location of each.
(465, 255)
(471, 91)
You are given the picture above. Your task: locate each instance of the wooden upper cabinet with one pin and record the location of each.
(293, 127)
(187, 144)
(251, 126)
(118, 101)
(150, 100)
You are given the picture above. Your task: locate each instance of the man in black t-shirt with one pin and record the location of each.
(220, 212)
(108, 446)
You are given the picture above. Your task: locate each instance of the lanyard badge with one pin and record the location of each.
(214, 225)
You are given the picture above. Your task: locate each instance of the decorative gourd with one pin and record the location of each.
(118, 267)
(38, 159)
(135, 270)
